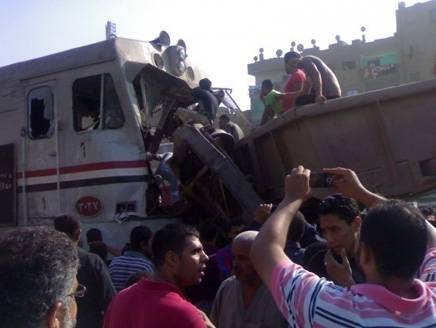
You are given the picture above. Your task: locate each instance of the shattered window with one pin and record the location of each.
(96, 104)
(40, 113)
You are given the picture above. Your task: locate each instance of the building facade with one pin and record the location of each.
(407, 56)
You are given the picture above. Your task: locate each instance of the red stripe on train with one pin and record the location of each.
(83, 168)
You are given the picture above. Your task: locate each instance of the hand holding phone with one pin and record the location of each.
(320, 180)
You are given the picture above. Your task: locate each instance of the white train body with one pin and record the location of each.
(70, 132)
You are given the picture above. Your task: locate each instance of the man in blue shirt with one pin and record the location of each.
(137, 259)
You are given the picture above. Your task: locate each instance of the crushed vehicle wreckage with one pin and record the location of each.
(76, 129)
(210, 181)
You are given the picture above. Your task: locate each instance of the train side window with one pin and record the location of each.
(40, 113)
(96, 104)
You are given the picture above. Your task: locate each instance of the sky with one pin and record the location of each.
(221, 36)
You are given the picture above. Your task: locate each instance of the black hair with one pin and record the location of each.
(99, 249)
(139, 235)
(170, 238)
(396, 234)
(68, 225)
(297, 227)
(310, 210)
(344, 208)
(205, 84)
(225, 118)
(291, 55)
(94, 234)
(38, 268)
(267, 84)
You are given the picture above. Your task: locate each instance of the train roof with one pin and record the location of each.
(91, 54)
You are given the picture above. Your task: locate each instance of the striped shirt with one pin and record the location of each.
(309, 301)
(427, 272)
(122, 267)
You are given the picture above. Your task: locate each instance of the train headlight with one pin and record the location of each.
(181, 54)
(175, 60)
(181, 67)
(158, 61)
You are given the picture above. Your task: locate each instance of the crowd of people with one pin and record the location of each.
(363, 261)
(310, 81)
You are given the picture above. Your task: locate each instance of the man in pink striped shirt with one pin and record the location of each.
(394, 241)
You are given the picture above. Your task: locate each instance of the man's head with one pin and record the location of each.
(178, 252)
(140, 240)
(340, 223)
(68, 225)
(205, 84)
(393, 241)
(242, 266)
(37, 279)
(224, 121)
(93, 235)
(292, 59)
(266, 87)
(99, 248)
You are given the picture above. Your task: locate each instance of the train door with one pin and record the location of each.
(40, 177)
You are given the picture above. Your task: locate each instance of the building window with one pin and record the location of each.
(348, 65)
(96, 104)
(377, 66)
(40, 113)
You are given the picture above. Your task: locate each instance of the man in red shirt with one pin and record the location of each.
(323, 82)
(294, 86)
(158, 302)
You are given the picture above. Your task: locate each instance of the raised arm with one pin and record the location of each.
(267, 250)
(346, 182)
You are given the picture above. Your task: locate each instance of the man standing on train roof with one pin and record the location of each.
(325, 84)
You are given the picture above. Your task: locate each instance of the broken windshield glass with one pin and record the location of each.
(158, 92)
(95, 96)
(40, 112)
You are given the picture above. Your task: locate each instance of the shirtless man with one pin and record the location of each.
(325, 84)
